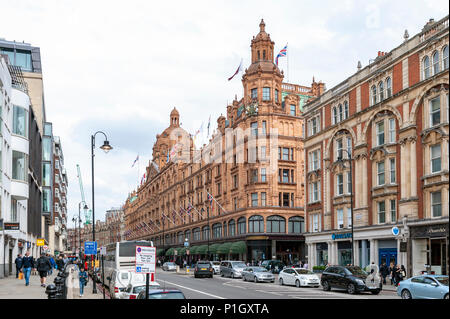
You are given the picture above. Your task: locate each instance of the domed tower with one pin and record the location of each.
(174, 118)
(262, 80)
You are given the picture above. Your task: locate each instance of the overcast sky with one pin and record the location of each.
(121, 67)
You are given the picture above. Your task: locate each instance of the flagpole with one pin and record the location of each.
(217, 203)
(287, 55)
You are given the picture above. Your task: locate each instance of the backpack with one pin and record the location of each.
(41, 263)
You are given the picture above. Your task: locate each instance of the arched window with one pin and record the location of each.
(232, 228)
(276, 224)
(196, 234)
(256, 224)
(180, 236)
(340, 112)
(205, 232)
(217, 230)
(187, 234)
(241, 226)
(436, 62)
(426, 67)
(346, 113)
(374, 95)
(445, 58)
(388, 87)
(296, 225)
(381, 90)
(335, 119)
(224, 229)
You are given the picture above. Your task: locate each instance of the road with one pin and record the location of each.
(227, 288)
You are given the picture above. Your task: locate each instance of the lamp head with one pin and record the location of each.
(85, 207)
(106, 147)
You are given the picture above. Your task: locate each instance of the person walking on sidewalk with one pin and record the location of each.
(52, 263)
(27, 265)
(60, 263)
(43, 266)
(384, 271)
(83, 277)
(18, 262)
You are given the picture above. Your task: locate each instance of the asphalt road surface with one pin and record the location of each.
(227, 288)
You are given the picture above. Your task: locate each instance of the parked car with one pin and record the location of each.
(298, 277)
(232, 268)
(133, 290)
(424, 287)
(351, 278)
(216, 267)
(274, 266)
(203, 269)
(257, 274)
(162, 294)
(169, 266)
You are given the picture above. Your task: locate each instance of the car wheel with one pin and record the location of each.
(243, 278)
(221, 274)
(351, 289)
(281, 282)
(211, 276)
(256, 279)
(297, 283)
(232, 275)
(446, 296)
(326, 286)
(375, 292)
(406, 294)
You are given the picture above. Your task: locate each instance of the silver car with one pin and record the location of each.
(169, 266)
(232, 268)
(216, 266)
(257, 274)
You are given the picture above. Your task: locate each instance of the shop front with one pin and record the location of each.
(430, 248)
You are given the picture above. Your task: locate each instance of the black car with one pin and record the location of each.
(274, 266)
(351, 278)
(203, 269)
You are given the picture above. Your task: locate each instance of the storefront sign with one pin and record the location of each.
(11, 226)
(341, 236)
(430, 231)
(403, 247)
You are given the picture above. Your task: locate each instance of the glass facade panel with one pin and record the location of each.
(19, 166)
(46, 174)
(46, 148)
(46, 200)
(20, 121)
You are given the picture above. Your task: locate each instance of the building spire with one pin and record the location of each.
(262, 25)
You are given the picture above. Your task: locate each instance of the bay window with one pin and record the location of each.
(20, 121)
(19, 166)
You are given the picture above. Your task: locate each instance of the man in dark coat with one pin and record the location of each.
(43, 266)
(27, 265)
(60, 263)
(19, 263)
(384, 271)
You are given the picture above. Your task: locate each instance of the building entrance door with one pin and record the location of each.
(388, 256)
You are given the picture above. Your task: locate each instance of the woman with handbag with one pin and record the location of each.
(83, 278)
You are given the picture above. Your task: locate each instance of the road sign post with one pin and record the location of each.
(103, 253)
(146, 264)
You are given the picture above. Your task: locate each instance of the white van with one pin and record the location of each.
(120, 279)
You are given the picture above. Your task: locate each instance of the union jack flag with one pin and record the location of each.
(189, 209)
(283, 52)
(210, 198)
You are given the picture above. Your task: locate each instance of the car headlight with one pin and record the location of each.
(360, 282)
(302, 277)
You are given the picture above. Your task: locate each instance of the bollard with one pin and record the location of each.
(50, 290)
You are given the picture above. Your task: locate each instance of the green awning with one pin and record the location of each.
(224, 248)
(202, 249)
(193, 250)
(159, 252)
(238, 247)
(170, 252)
(213, 248)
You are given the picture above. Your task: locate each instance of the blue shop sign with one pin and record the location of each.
(341, 236)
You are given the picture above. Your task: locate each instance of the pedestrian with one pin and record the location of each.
(402, 272)
(53, 263)
(43, 266)
(66, 260)
(27, 265)
(60, 263)
(83, 277)
(391, 272)
(397, 275)
(19, 263)
(384, 271)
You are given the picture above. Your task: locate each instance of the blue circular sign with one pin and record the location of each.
(333, 236)
(139, 249)
(395, 231)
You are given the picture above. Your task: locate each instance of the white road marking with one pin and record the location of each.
(270, 292)
(202, 292)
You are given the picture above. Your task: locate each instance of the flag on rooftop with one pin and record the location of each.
(239, 69)
(282, 53)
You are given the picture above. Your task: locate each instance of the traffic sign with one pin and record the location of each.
(146, 260)
(40, 242)
(186, 244)
(90, 248)
(103, 250)
(395, 231)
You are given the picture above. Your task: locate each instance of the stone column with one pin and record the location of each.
(274, 249)
(372, 250)
(365, 182)
(327, 194)
(403, 170)
(413, 172)
(356, 252)
(330, 252)
(358, 180)
(363, 253)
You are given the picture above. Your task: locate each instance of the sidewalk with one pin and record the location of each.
(12, 288)
(73, 287)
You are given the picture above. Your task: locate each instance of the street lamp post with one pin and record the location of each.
(79, 221)
(75, 232)
(351, 195)
(106, 147)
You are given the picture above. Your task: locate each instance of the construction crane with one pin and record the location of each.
(87, 213)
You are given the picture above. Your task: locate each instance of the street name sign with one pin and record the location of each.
(146, 260)
(90, 248)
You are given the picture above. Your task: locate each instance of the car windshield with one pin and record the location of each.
(259, 269)
(203, 265)
(353, 270)
(166, 295)
(138, 289)
(301, 271)
(216, 263)
(170, 264)
(442, 280)
(239, 265)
